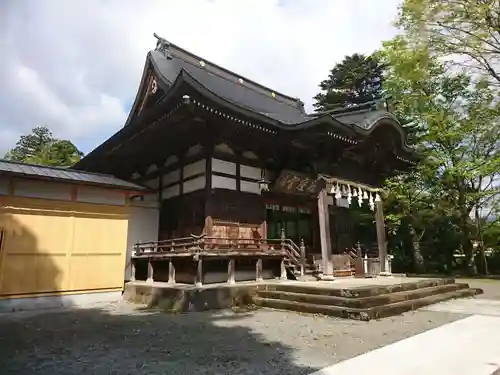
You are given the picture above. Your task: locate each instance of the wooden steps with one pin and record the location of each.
(361, 303)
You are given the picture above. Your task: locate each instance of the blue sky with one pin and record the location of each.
(75, 66)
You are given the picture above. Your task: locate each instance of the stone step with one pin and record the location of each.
(359, 292)
(363, 314)
(364, 302)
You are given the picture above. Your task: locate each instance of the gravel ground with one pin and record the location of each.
(122, 339)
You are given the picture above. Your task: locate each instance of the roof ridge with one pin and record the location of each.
(226, 79)
(166, 43)
(56, 168)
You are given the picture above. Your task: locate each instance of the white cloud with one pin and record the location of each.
(75, 66)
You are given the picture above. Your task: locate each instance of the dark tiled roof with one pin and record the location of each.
(8, 167)
(228, 86)
(170, 60)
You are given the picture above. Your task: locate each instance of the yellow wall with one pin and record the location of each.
(59, 246)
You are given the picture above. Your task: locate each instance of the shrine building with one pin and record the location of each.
(230, 159)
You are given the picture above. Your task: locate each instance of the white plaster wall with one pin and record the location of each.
(171, 177)
(223, 166)
(143, 226)
(195, 168)
(250, 187)
(197, 183)
(101, 196)
(223, 182)
(171, 191)
(250, 172)
(42, 189)
(4, 186)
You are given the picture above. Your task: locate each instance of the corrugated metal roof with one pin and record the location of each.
(8, 167)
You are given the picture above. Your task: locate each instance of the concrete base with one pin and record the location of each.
(53, 302)
(327, 278)
(185, 297)
(385, 274)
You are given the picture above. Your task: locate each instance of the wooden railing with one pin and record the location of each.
(296, 255)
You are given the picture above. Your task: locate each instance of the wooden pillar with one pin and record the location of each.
(171, 272)
(283, 270)
(132, 269)
(258, 270)
(381, 238)
(324, 231)
(230, 271)
(150, 271)
(302, 257)
(199, 272)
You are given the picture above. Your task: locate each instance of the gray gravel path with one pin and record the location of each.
(122, 339)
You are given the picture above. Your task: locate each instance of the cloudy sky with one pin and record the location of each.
(75, 66)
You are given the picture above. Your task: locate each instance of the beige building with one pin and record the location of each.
(63, 235)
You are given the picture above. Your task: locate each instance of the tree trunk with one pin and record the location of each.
(479, 235)
(418, 259)
(467, 248)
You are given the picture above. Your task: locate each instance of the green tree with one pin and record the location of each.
(31, 144)
(459, 122)
(466, 32)
(410, 207)
(355, 80)
(40, 147)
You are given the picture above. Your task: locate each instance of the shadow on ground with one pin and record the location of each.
(124, 340)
